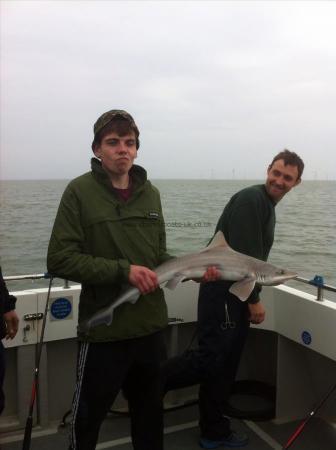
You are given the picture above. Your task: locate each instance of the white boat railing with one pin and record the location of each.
(317, 281)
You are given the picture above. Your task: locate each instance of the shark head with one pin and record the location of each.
(273, 275)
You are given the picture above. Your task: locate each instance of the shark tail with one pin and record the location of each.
(95, 321)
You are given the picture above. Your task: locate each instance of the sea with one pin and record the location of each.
(305, 235)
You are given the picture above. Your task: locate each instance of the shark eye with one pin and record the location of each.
(281, 272)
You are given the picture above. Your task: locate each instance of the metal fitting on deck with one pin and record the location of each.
(319, 283)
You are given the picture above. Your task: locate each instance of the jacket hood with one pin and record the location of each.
(137, 173)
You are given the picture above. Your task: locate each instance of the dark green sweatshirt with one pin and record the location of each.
(96, 236)
(248, 223)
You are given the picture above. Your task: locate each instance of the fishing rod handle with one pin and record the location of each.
(27, 435)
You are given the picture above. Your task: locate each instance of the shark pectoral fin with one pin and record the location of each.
(243, 288)
(173, 282)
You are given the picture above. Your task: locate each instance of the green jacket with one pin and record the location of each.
(248, 223)
(96, 237)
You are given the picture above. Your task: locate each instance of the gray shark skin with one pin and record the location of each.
(234, 266)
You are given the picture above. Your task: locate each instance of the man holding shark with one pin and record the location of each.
(109, 232)
(247, 223)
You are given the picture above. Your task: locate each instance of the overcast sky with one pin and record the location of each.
(216, 88)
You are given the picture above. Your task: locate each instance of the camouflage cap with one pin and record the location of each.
(106, 118)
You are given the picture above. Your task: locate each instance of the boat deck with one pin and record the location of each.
(182, 433)
(293, 352)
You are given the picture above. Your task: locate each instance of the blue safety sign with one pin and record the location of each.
(61, 308)
(306, 337)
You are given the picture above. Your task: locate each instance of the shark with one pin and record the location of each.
(245, 272)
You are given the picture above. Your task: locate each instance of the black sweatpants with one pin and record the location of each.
(2, 376)
(103, 370)
(221, 337)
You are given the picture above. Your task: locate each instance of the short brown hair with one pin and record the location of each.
(290, 158)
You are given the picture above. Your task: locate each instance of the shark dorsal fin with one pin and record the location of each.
(217, 241)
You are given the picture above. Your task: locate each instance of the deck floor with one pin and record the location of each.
(182, 433)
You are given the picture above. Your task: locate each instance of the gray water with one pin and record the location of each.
(305, 238)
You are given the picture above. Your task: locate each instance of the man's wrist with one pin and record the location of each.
(253, 299)
(124, 269)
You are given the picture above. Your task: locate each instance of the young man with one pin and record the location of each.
(9, 323)
(248, 223)
(108, 232)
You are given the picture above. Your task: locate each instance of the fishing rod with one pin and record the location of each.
(29, 423)
(312, 413)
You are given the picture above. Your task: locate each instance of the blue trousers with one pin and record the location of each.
(222, 330)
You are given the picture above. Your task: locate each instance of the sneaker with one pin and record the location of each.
(233, 441)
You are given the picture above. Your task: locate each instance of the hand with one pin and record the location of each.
(12, 324)
(211, 274)
(143, 278)
(257, 312)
